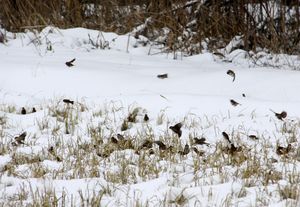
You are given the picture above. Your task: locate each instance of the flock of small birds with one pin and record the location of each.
(24, 111)
(281, 116)
(123, 143)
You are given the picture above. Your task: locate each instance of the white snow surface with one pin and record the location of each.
(197, 88)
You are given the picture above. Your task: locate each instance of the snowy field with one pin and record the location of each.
(110, 143)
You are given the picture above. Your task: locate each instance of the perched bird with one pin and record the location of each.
(146, 118)
(283, 150)
(68, 101)
(234, 103)
(200, 141)
(114, 140)
(232, 74)
(70, 63)
(185, 151)
(23, 111)
(232, 147)
(225, 135)
(21, 138)
(177, 129)
(281, 115)
(163, 76)
(33, 110)
(252, 136)
(161, 145)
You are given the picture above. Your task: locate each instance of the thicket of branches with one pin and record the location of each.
(178, 24)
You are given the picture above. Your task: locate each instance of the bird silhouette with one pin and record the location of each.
(232, 74)
(185, 151)
(177, 129)
(225, 135)
(252, 136)
(283, 150)
(21, 138)
(234, 103)
(70, 63)
(163, 76)
(68, 101)
(23, 111)
(281, 115)
(200, 141)
(232, 148)
(114, 140)
(146, 118)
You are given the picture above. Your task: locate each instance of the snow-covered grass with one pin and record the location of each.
(102, 151)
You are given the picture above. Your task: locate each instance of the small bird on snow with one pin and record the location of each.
(23, 111)
(70, 63)
(234, 103)
(232, 74)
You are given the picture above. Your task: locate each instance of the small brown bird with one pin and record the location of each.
(234, 103)
(281, 115)
(232, 74)
(33, 110)
(283, 150)
(252, 136)
(200, 141)
(163, 76)
(21, 138)
(23, 111)
(68, 101)
(161, 145)
(185, 151)
(232, 147)
(70, 63)
(146, 118)
(177, 129)
(114, 140)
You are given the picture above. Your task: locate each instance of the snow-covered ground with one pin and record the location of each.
(68, 157)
